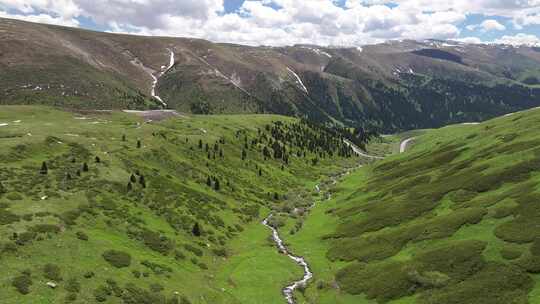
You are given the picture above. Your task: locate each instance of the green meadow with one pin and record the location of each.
(103, 207)
(452, 220)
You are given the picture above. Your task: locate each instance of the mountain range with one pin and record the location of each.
(392, 86)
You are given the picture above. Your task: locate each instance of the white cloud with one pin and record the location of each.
(487, 26)
(278, 22)
(519, 39)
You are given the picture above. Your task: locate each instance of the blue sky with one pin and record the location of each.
(281, 22)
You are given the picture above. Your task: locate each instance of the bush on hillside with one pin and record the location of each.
(136, 295)
(25, 238)
(118, 259)
(72, 285)
(14, 196)
(193, 249)
(52, 272)
(509, 253)
(102, 293)
(22, 283)
(45, 228)
(82, 236)
(8, 217)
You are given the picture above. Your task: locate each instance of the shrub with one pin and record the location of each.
(102, 293)
(202, 266)
(45, 228)
(510, 253)
(156, 268)
(88, 274)
(114, 288)
(25, 237)
(71, 297)
(22, 283)
(535, 248)
(118, 259)
(220, 252)
(156, 287)
(9, 248)
(380, 281)
(193, 249)
(495, 283)
(135, 295)
(14, 196)
(7, 217)
(461, 196)
(72, 285)
(157, 242)
(82, 236)
(52, 272)
(531, 263)
(179, 255)
(429, 279)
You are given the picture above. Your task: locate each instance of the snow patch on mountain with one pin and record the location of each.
(298, 80)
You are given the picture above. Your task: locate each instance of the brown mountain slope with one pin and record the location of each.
(395, 85)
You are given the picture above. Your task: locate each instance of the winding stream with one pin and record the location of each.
(288, 291)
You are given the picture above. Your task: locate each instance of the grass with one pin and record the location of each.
(394, 231)
(73, 218)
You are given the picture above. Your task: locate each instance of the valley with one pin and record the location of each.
(165, 170)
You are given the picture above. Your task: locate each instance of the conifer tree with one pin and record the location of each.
(129, 186)
(78, 172)
(142, 181)
(216, 184)
(200, 144)
(85, 167)
(209, 182)
(44, 170)
(123, 137)
(196, 230)
(139, 145)
(68, 176)
(133, 179)
(276, 196)
(220, 153)
(98, 160)
(206, 147)
(244, 154)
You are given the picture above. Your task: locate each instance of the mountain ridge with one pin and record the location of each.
(391, 86)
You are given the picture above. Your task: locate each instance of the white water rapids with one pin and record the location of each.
(288, 291)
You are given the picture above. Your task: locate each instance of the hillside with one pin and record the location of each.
(103, 207)
(452, 220)
(392, 86)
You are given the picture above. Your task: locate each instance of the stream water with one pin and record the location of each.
(288, 291)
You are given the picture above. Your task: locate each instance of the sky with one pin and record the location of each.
(289, 22)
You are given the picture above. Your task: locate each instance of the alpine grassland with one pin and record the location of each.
(107, 207)
(454, 219)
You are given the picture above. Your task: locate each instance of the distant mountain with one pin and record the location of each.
(395, 85)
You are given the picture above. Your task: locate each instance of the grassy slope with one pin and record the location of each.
(504, 216)
(175, 197)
